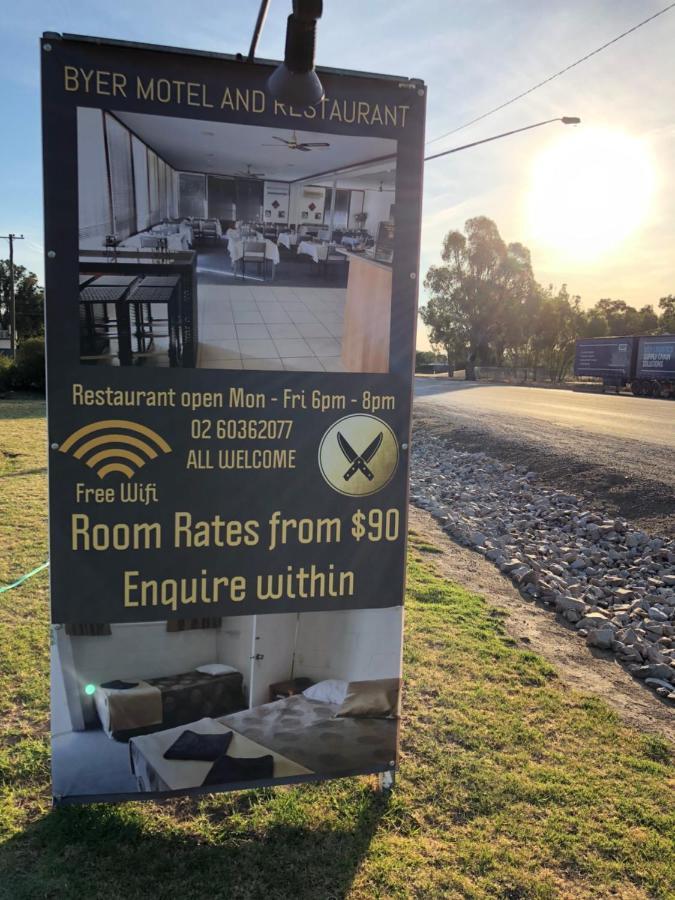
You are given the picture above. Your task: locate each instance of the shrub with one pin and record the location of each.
(30, 365)
(6, 373)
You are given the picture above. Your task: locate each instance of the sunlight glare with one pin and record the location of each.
(590, 190)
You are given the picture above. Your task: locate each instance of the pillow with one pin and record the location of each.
(216, 669)
(371, 699)
(333, 690)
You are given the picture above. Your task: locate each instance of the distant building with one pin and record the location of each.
(5, 342)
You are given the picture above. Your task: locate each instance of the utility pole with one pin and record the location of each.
(12, 293)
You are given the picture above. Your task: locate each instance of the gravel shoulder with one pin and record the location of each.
(533, 627)
(622, 476)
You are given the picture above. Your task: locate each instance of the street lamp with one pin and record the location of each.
(294, 81)
(566, 120)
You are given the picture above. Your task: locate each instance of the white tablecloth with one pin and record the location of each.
(236, 250)
(314, 230)
(316, 251)
(233, 234)
(287, 239)
(173, 241)
(163, 230)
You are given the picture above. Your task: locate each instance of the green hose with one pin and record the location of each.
(8, 587)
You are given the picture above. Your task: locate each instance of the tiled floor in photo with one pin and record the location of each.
(268, 327)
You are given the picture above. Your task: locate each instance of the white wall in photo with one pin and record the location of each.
(65, 705)
(377, 204)
(233, 641)
(276, 201)
(133, 651)
(354, 645)
(304, 196)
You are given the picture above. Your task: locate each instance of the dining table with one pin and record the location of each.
(287, 239)
(318, 252)
(236, 250)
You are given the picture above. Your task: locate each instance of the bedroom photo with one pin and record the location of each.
(218, 246)
(223, 702)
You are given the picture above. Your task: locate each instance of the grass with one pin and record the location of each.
(511, 785)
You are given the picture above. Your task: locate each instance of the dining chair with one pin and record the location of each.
(333, 262)
(210, 231)
(254, 252)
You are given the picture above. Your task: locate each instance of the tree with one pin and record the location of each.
(556, 329)
(595, 324)
(667, 317)
(475, 294)
(648, 320)
(446, 333)
(426, 357)
(621, 319)
(486, 308)
(29, 301)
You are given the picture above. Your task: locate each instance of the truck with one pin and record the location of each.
(643, 364)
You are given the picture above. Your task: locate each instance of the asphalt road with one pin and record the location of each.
(621, 449)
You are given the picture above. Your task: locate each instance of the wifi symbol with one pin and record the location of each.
(101, 453)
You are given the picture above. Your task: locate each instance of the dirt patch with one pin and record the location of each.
(537, 628)
(624, 477)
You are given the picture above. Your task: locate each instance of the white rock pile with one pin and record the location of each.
(613, 582)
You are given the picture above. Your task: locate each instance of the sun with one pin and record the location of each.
(590, 191)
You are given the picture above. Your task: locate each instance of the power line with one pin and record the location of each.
(555, 75)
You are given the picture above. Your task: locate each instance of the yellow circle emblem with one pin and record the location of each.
(358, 455)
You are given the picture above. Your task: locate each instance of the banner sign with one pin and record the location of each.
(231, 309)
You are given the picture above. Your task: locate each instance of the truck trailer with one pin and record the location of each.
(643, 364)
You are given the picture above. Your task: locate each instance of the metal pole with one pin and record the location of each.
(331, 219)
(567, 120)
(12, 299)
(12, 293)
(260, 21)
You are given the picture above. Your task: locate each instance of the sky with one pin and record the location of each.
(473, 55)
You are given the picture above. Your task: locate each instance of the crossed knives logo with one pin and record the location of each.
(370, 448)
(359, 462)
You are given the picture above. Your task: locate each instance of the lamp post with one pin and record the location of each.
(294, 81)
(566, 120)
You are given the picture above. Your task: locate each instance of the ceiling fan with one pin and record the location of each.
(295, 144)
(249, 174)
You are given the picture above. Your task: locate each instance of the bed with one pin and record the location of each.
(161, 703)
(303, 736)
(155, 773)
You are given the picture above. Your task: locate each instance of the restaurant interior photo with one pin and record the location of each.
(211, 245)
(312, 699)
